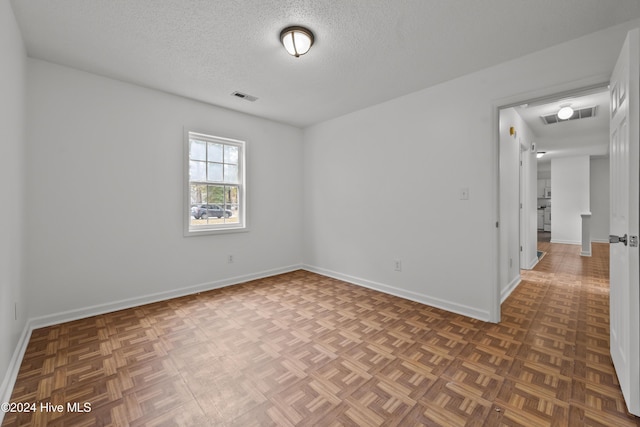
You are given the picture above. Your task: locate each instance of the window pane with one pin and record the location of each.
(216, 190)
(198, 194)
(231, 202)
(215, 152)
(197, 171)
(215, 194)
(214, 171)
(198, 150)
(198, 197)
(231, 197)
(231, 154)
(231, 174)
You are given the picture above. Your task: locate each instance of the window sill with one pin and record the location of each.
(214, 231)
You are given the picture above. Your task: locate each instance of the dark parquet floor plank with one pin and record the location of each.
(303, 349)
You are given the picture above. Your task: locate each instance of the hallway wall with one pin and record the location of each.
(599, 188)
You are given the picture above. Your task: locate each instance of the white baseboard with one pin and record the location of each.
(599, 240)
(402, 293)
(566, 242)
(504, 294)
(70, 315)
(532, 263)
(11, 375)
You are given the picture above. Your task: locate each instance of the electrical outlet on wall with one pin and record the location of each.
(464, 193)
(230, 259)
(397, 265)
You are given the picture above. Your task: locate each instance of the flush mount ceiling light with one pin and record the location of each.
(540, 154)
(565, 113)
(296, 40)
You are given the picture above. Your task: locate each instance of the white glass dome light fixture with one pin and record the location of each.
(565, 112)
(297, 40)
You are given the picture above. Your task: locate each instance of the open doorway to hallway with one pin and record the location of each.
(624, 282)
(552, 170)
(572, 163)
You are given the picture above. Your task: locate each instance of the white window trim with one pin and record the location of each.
(186, 204)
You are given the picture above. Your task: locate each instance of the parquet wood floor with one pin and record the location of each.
(303, 349)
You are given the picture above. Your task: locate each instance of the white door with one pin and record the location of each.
(624, 256)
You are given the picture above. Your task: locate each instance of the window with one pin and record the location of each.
(215, 193)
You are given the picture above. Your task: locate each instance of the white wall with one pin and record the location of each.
(12, 174)
(544, 170)
(383, 183)
(570, 197)
(105, 191)
(516, 231)
(592, 144)
(599, 199)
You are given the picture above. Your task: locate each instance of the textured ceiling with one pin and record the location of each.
(366, 51)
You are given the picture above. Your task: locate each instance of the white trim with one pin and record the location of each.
(210, 231)
(494, 291)
(412, 296)
(510, 288)
(566, 242)
(533, 262)
(70, 315)
(9, 380)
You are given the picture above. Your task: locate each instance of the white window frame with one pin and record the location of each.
(203, 230)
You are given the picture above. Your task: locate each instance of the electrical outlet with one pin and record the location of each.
(397, 265)
(230, 259)
(510, 262)
(464, 193)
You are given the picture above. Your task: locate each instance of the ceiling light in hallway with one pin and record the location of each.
(565, 113)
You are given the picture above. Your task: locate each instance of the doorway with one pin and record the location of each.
(535, 144)
(624, 284)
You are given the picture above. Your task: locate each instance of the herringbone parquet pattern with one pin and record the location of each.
(303, 349)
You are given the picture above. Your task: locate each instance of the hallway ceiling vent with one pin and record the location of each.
(582, 113)
(245, 96)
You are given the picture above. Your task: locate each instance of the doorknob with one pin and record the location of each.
(617, 239)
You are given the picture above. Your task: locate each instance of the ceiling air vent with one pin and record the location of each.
(577, 114)
(245, 96)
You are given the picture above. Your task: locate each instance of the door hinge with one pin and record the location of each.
(633, 241)
(497, 224)
(520, 248)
